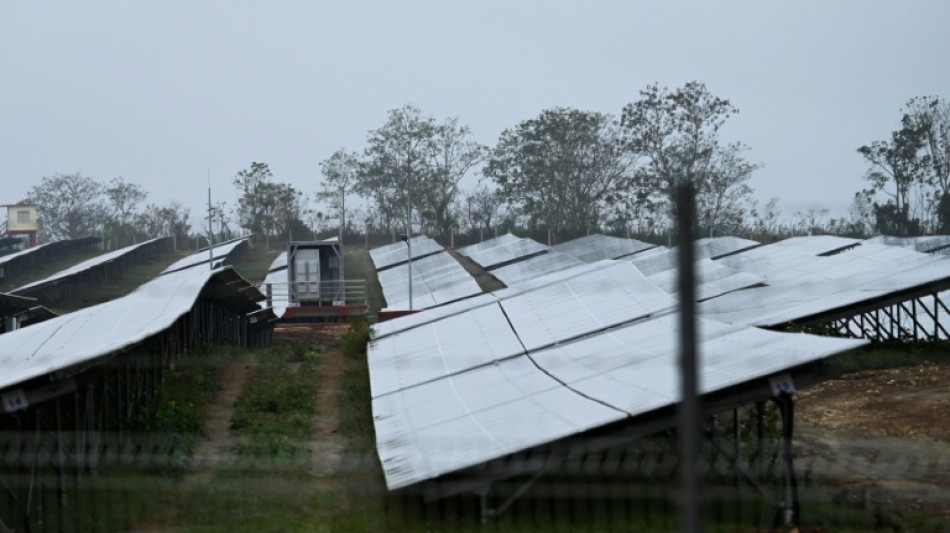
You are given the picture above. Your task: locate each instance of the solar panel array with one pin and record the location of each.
(398, 252)
(926, 244)
(436, 279)
(559, 359)
(500, 250)
(564, 351)
(597, 247)
(221, 254)
(90, 264)
(715, 247)
(809, 285)
(85, 335)
(535, 266)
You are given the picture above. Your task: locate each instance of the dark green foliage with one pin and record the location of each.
(276, 406)
(943, 214)
(356, 416)
(562, 169)
(174, 419)
(892, 354)
(889, 220)
(267, 208)
(355, 339)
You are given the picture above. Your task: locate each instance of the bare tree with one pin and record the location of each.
(124, 199)
(340, 174)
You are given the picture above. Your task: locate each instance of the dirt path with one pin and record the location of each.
(327, 445)
(215, 449)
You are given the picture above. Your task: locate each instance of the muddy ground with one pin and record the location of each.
(883, 436)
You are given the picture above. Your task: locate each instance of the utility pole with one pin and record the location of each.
(210, 233)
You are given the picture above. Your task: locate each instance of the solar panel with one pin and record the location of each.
(433, 426)
(533, 267)
(10, 257)
(477, 248)
(90, 263)
(436, 279)
(788, 259)
(604, 298)
(431, 315)
(926, 243)
(456, 343)
(597, 247)
(635, 369)
(510, 250)
(712, 278)
(84, 335)
(398, 252)
(451, 423)
(220, 252)
(715, 247)
(845, 280)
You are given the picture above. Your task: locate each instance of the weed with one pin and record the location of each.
(276, 407)
(355, 339)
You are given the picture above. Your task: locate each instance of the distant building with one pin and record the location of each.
(21, 221)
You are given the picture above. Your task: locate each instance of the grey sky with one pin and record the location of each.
(161, 92)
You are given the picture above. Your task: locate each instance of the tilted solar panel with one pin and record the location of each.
(597, 247)
(509, 250)
(398, 252)
(91, 263)
(533, 267)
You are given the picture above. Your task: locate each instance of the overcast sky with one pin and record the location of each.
(161, 93)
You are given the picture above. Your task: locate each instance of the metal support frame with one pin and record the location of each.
(913, 314)
(534, 463)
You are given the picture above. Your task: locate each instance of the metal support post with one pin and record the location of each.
(789, 511)
(690, 408)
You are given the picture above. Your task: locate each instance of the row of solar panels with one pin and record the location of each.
(571, 345)
(22, 303)
(435, 278)
(65, 344)
(432, 278)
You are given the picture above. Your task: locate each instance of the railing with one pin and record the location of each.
(317, 293)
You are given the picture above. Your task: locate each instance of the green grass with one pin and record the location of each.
(173, 420)
(274, 411)
(358, 265)
(254, 262)
(267, 485)
(884, 355)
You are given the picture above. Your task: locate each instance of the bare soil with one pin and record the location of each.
(883, 435)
